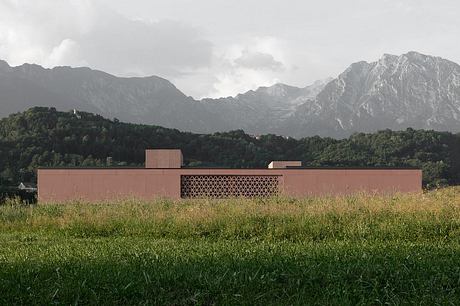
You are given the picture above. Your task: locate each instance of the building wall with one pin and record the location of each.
(60, 185)
(340, 182)
(98, 185)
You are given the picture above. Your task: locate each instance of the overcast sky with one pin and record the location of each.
(213, 48)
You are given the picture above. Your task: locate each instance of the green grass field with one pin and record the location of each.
(360, 249)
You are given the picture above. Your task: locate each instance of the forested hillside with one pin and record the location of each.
(45, 137)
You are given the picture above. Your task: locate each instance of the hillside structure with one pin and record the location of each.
(165, 176)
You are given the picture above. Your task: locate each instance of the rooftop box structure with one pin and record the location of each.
(284, 164)
(164, 176)
(163, 158)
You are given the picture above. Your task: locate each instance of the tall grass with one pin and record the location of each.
(361, 249)
(412, 217)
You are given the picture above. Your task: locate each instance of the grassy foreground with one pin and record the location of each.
(360, 249)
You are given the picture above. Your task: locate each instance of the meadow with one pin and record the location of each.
(361, 249)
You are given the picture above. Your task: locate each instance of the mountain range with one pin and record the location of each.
(395, 92)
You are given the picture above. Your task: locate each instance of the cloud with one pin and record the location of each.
(165, 48)
(87, 33)
(209, 52)
(68, 52)
(231, 82)
(259, 61)
(56, 32)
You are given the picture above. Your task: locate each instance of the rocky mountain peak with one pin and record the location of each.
(278, 90)
(396, 92)
(418, 57)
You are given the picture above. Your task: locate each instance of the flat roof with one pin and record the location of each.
(226, 168)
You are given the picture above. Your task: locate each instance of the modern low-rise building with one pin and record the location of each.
(165, 176)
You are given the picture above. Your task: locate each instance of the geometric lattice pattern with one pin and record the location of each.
(226, 186)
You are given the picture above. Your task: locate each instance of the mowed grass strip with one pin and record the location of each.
(403, 249)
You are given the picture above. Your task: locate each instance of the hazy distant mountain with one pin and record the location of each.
(140, 100)
(150, 100)
(263, 110)
(396, 92)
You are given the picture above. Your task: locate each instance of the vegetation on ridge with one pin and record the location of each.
(45, 137)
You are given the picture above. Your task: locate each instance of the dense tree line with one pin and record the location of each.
(44, 137)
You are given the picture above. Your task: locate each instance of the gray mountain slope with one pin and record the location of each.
(396, 92)
(18, 93)
(147, 100)
(263, 110)
(150, 100)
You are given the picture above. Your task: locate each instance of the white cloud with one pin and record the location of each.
(34, 28)
(66, 53)
(258, 61)
(56, 32)
(239, 81)
(218, 47)
(85, 33)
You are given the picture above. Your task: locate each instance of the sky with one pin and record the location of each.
(219, 48)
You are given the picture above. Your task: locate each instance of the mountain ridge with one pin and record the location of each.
(394, 92)
(45, 137)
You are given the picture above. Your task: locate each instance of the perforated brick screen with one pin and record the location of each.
(225, 186)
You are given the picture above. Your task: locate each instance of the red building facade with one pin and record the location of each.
(164, 176)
